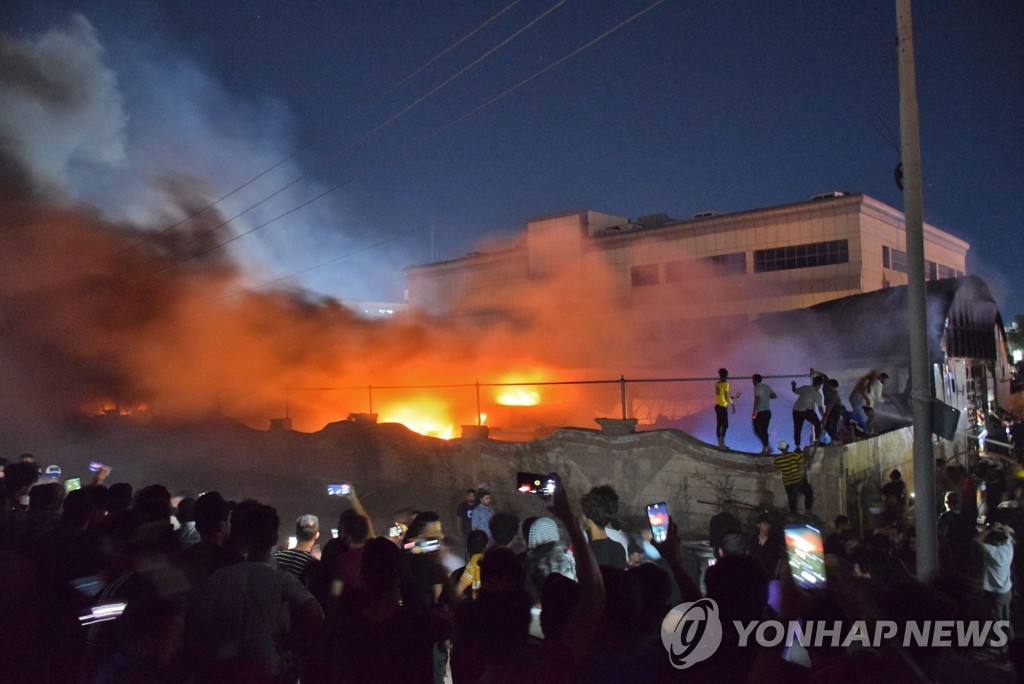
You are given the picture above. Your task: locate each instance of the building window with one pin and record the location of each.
(899, 261)
(690, 269)
(675, 272)
(886, 263)
(802, 256)
(730, 264)
(946, 272)
(932, 269)
(644, 275)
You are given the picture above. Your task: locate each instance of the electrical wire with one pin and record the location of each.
(319, 141)
(426, 138)
(366, 136)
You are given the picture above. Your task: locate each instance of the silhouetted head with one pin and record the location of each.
(504, 527)
(600, 505)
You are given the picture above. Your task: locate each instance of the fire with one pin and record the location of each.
(107, 407)
(520, 395)
(425, 415)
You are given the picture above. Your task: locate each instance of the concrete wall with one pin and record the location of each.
(691, 476)
(663, 465)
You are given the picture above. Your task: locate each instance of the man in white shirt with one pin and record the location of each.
(763, 394)
(874, 398)
(808, 398)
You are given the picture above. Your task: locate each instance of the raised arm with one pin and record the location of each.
(670, 551)
(357, 506)
(580, 630)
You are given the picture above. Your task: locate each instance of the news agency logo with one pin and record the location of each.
(691, 632)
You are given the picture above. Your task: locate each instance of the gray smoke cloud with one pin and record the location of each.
(61, 108)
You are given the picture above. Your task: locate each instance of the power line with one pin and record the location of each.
(549, 67)
(318, 142)
(434, 133)
(371, 132)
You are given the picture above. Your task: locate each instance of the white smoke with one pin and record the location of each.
(149, 135)
(62, 108)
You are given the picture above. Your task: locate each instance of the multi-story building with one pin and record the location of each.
(664, 273)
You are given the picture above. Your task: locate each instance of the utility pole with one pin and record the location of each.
(925, 519)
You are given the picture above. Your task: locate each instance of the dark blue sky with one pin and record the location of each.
(691, 107)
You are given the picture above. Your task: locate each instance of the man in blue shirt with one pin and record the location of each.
(481, 515)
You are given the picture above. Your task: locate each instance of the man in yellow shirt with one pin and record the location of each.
(793, 467)
(723, 400)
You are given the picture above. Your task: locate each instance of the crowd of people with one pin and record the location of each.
(818, 404)
(106, 584)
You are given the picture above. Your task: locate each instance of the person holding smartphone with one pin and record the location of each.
(600, 505)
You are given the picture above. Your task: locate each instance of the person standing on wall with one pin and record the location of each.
(873, 396)
(763, 394)
(723, 400)
(808, 398)
(793, 467)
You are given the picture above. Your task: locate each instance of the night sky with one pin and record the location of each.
(689, 107)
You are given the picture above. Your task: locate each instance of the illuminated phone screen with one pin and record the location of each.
(806, 554)
(657, 515)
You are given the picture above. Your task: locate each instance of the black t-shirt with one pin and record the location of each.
(609, 552)
(203, 559)
(398, 649)
(420, 572)
(464, 511)
(896, 489)
(720, 525)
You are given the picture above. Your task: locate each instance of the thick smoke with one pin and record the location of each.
(61, 108)
(105, 307)
(112, 299)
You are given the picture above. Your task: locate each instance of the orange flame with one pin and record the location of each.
(520, 395)
(425, 415)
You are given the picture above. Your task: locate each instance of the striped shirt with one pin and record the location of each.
(295, 561)
(791, 465)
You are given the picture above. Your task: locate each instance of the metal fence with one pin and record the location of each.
(521, 411)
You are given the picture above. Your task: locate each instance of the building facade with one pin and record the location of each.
(762, 260)
(657, 284)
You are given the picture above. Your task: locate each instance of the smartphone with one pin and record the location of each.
(339, 489)
(89, 585)
(96, 466)
(72, 483)
(428, 545)
(532, 483)
(396, 531)
(293, 542)
(806, 556)
(657, 516)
